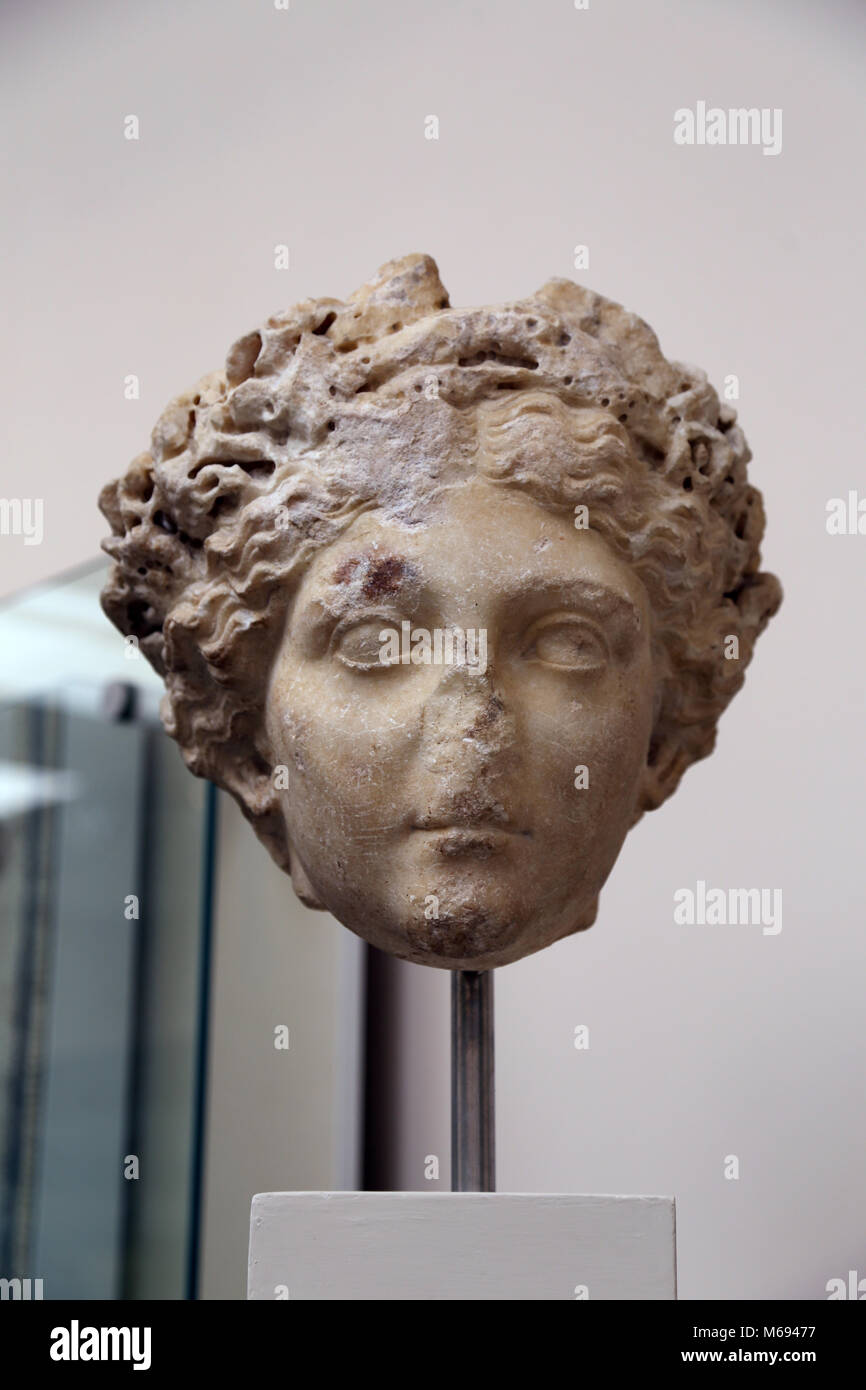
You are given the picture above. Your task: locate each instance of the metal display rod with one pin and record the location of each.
(473, 1148)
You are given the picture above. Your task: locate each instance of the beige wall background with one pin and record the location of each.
(306, 127)
(286, 1119)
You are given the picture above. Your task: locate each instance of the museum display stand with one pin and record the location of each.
(473, 1242)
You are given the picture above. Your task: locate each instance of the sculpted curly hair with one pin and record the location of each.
(259, 465)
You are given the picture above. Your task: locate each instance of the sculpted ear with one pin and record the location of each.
(666, 762)
(257, 789)
(301, 884)
(245, 772)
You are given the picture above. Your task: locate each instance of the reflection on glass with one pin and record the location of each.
(105, 871)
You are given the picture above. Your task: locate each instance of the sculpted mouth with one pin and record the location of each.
(499, 823)
(476, 838)
(470, 821)
(455, 840)
(481, 827)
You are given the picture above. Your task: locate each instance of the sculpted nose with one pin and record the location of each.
(468, 731)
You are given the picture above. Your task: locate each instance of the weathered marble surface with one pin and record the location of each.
(386, 476)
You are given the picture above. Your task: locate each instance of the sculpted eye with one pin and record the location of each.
(365, 645)
(569, 642)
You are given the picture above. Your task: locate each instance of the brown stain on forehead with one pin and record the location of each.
(384, 576)
(378, 574)
(345, 571)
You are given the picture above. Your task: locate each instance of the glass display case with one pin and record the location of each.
(106, 870)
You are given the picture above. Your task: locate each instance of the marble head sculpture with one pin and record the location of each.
(445, 598)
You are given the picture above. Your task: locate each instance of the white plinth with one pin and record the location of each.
(460, 1245)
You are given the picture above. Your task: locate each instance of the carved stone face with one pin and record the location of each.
(546, 517)
(438, 809)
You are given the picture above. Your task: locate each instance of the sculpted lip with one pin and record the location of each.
(478, 842)
(467, 830)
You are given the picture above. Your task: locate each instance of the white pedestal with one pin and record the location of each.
(460, 1245)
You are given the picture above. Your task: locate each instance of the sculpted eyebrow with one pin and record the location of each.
(598, 599)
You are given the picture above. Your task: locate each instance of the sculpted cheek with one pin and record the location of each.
(289, 733)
